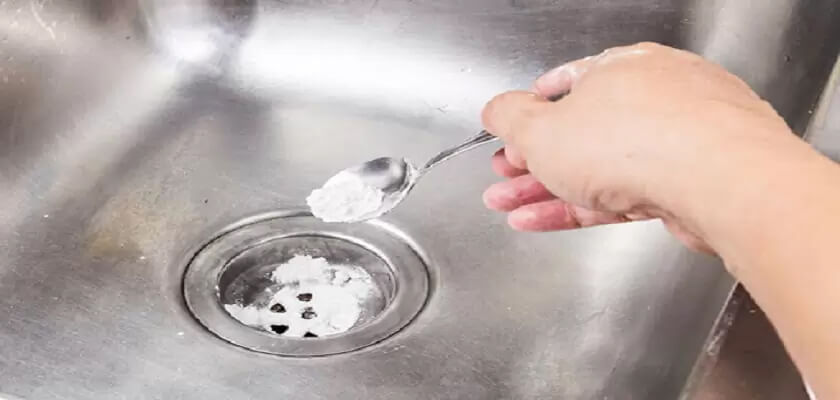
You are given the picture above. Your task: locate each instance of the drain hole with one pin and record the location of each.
(279, 329)
(305, 297)
(281, 298)
(308, 313)
(278, 308)
(309, 335)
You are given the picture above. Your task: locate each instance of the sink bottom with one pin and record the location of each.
(132, 133)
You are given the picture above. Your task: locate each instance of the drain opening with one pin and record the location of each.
(308, 313)
(305, 294)
(305, 297)
(278, 308)
(289, 284)
(279, 329)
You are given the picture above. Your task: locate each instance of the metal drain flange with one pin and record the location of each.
(286, 283)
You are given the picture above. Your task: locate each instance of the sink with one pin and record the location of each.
(133, 134)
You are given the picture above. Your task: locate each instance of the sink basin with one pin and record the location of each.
(133, 133)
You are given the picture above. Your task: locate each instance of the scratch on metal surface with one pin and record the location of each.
(12, 128)
(394, 349)
(478, 372)
(593, 316)
(39, 20)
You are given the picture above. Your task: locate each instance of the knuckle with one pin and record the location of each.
(647, 45)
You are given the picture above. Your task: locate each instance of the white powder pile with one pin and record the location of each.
(315, 298)
(345, 198)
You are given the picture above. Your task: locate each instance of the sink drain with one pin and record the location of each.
(306, 296)
(289, 284)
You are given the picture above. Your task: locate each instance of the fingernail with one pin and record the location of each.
(521, 219)
(491, 199)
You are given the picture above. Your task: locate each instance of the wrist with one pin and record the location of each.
(755, 203)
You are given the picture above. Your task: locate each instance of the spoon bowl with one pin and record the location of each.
(390, 179)
(387, 174)
(395, 177)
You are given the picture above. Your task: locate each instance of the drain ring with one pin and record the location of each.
(403, 280)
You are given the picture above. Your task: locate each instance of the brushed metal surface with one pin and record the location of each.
(131, 131)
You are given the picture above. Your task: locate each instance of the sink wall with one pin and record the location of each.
(130, 132)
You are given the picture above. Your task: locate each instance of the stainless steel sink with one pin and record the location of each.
(132, 132)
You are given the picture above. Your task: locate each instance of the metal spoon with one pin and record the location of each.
(397, 176)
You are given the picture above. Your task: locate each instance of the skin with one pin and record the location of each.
(648, 131)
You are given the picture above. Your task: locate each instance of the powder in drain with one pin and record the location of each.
(314, 298)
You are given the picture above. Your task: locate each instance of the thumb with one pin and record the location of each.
(511, 114)
(561, 80)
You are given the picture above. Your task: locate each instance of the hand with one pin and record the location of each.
(644, 131)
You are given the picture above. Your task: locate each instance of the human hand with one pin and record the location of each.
(645, 131)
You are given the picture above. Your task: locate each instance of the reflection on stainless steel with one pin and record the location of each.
(131, 131)
(824, 131)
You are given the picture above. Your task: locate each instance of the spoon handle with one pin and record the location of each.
(469, 144)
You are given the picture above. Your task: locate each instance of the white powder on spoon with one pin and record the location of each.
(345, 198)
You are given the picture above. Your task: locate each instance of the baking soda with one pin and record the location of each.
(314, 298)
(345, 198)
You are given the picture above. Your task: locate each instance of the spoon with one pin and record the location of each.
(395, 177)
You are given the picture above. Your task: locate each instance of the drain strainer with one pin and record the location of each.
(289, 284)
